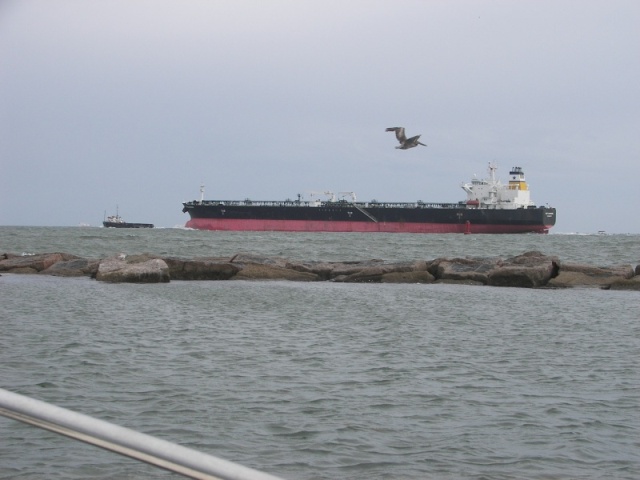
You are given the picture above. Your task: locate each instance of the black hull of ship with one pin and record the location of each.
(126, 225)
(360, 217)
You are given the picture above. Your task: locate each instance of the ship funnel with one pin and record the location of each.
(517, 180)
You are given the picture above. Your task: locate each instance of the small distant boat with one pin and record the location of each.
(116, 221)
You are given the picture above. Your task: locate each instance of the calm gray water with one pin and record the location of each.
(102, 242)
(325, 380)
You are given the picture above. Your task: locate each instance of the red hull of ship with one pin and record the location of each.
(240, 225)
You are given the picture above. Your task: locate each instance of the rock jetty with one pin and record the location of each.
(529, 270)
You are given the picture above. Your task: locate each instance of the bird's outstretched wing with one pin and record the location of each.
(399, 133)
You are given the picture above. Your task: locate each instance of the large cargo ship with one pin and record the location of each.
(490, 207)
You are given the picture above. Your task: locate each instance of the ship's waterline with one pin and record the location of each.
(259, 225)
(490, 207)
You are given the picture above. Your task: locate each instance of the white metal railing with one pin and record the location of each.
(302, 203)
(152, 450)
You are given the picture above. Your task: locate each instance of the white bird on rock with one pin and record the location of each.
(405, 142)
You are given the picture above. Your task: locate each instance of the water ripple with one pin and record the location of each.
(329, 381)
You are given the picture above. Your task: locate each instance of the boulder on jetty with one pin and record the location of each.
(73, 268)
(13, 263)
(366, 271)
(118, 269)
(577, 274)
(201, 269)
(258, 267)
(415, 272)
(626, 284)
(258, 271)
(469, 270)
(529, 270)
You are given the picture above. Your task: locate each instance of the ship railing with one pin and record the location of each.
(297, 203)
(411, 205)
(145, 448)
(259, 203)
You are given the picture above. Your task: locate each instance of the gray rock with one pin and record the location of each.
(460, 282)
(529, 270)
(322, 270)
(416, 276)
(73, 268)
(470, 269)
(378, 271)
(626, 284)
(364, 275)
(200, 269)
(272, 272)
(32, 263)
(333, 270)
(581, 275)
(118, 270)
(250, 258)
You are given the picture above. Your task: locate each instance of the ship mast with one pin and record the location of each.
(201, 193)
(492, 172)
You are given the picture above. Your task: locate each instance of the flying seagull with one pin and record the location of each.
(404, 141)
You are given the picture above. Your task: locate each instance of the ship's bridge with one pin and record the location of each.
(517, 180)
(491, 193)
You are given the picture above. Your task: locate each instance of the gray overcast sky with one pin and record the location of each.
(136, 103)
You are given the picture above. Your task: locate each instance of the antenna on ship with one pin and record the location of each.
(492, 171)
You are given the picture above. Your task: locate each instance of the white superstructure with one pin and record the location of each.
(491, 193)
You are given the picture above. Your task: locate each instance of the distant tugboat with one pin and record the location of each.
(116, 221)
